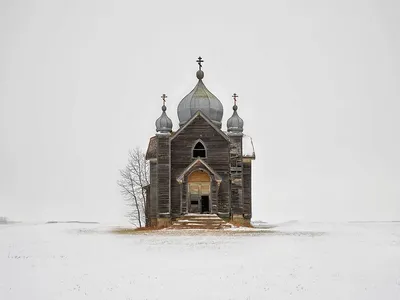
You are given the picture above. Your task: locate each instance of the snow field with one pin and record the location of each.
(296, 261)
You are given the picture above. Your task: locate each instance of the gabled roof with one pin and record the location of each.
(196, 164)
(152, 148)
(197, 114)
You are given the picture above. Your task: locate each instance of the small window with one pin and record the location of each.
(199, 150)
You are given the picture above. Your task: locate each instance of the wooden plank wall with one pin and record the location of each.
(214, 197)
(153, 189)
(184, 208)
(217, 157)
(163, 170)
(236, 170)
(247, 189)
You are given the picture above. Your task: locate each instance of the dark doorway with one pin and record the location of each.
(205, 204)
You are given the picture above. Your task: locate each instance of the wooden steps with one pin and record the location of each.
(200, 221)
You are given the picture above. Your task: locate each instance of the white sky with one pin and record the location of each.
(319, 87)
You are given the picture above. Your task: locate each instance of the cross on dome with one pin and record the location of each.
(200, 99)
(235, 123)
(163, 96)
(163, 123)
(234, 97)
(199, 61)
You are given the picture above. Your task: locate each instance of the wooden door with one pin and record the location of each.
(198, 186)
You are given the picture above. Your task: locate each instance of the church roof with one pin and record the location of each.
(212, 124)
(152, 148)
(196, 164)
(200, 99)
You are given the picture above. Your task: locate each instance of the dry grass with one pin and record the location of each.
(133, 230)
(240, 224)
(190, 232)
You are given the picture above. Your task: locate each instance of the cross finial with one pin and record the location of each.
(163, 96)
(199, 61)
(234, 97)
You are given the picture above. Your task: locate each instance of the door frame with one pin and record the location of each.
(188, 198)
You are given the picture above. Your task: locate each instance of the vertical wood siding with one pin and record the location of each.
(153, 189)
(247, 189)
(163, 174)
(236, 172)
(217, 158)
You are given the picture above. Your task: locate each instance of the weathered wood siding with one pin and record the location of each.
(214, 197)
(247, 189)
(236, 174)
(153, 189)
(147, 209)
(217, 158)
(163, 172)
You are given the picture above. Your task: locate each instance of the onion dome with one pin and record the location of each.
(200, 99)
(235, 123)
(163, 123)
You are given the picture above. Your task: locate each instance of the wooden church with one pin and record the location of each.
(199, 168)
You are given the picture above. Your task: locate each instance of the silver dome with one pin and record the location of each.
(200, 98)
(235, 123)
(163, 123)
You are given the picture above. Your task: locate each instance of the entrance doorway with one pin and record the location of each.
(199, 192)
(205, 205)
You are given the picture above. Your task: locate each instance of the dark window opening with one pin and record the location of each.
(194, 202)
(199, 150)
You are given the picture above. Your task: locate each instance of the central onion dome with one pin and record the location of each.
(200, 99)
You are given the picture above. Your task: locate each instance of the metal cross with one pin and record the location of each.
(163, 96)
(199, 61)
(234, 97)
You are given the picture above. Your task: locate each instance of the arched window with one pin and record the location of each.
(199, 150)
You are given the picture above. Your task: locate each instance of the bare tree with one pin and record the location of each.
(134, 180)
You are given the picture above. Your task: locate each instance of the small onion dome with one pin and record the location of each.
(200, 99)
(163, 123)
(235, 123)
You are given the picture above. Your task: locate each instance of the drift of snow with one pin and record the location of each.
(248, 147)
(296, 261)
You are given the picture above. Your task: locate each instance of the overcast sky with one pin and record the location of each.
(318, 84)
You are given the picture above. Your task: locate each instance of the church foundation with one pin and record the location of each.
(163, 223)
(239, 220)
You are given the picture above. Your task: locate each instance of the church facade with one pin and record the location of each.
(199, 169)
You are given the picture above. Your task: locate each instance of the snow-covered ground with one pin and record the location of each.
(292, 261)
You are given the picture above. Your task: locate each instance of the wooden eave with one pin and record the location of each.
(151, 152)
(199, 162)
(199, 113)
